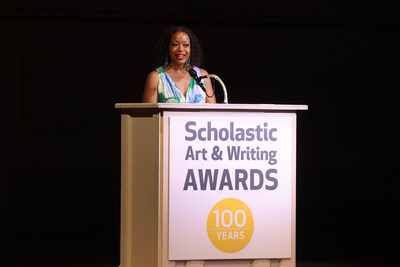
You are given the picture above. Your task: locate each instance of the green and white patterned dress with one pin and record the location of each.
(168, 91)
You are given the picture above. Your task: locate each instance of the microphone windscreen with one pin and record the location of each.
(193, 73)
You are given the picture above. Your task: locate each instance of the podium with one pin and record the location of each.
(208, 184)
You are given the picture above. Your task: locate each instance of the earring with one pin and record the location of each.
(187, 64)
(166, 61)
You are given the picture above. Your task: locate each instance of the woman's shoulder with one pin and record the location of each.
(200, 70)
(152, 78)
(152, 74)
(156, 71)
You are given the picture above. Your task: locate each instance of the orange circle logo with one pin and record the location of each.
(230, 225)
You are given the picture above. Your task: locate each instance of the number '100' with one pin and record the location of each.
(232, 218)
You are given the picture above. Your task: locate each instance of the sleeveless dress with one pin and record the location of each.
(168, 91)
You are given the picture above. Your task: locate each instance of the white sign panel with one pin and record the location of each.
(230, 187)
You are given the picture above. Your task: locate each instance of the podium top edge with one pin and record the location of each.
(206, 106)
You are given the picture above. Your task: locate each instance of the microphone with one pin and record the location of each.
(193, 74)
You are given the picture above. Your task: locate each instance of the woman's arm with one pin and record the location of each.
(209, 88)
(150, 93)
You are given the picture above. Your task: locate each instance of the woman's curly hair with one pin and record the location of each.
(162, 49)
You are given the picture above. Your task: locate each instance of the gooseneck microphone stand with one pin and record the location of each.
(193, 74)
(221, 83)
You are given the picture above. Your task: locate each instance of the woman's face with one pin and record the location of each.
(179, 48)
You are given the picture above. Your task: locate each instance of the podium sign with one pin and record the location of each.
(230, 185)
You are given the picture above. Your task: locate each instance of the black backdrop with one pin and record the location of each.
(64, 65)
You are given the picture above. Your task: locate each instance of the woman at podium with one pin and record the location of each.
(179, 52)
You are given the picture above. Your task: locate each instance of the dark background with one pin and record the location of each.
(64, 64)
